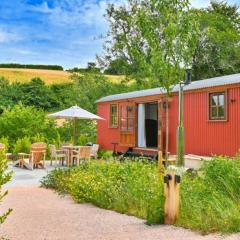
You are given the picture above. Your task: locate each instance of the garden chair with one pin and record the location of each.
(83, 152)
(94, 150)
(60, 154)
(67, 147)
(36, 157)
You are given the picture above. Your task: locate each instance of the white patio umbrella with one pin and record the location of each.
(75, 113)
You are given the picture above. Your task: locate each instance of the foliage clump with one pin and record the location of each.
(21, 122)
(210, 199)
(133, 188)
(5, 176)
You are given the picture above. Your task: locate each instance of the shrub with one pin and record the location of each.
(131, 188)
(37, 94)
(82, 140)
(105, 154)
(20, 122)
(211, 201)
(5, 141)
(85, 131)
(38, 138)
(22, 145)
(5, 176)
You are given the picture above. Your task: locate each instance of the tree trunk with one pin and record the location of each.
(167, 131)
(180, 130)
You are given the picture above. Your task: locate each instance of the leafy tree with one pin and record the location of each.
(157, 39)
(91, 68)
(91, 65)
(65, 95)
(19, 122)
(218, 50)
(36, 93)
(117, 66)
(10, 93)
(92, 86)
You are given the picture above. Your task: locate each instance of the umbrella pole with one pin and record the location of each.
(74, 131)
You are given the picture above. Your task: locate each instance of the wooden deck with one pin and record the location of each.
(148, 151)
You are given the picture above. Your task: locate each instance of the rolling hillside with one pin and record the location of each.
(25, 75)
(48, 76)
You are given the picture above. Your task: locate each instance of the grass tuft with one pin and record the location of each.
(210, 202)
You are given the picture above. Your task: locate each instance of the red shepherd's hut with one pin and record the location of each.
(211, 118)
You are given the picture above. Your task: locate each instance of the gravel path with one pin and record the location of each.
(40, 214)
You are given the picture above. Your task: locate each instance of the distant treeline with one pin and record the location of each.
(84, 90)
(91, 68)
(31, 66)
(84, 70)
(115, 67)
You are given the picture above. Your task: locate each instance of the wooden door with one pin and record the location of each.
(127, 124)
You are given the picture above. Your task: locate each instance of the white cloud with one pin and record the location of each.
(25, 52)
(6, 36)
(200, 3)
(206, 3)
(74, 12)
(87, 41)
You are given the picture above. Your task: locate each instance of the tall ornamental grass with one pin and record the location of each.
(211, 201)
(209, 198)
(134, 188)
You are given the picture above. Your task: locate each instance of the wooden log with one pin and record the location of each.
(171, 192)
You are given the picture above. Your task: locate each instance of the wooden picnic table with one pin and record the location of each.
(69, 149)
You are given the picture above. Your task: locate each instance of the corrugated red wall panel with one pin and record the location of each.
(202, 137)
(105, 135)
(205, 137)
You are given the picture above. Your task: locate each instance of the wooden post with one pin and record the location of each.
(160, 162)
(171, 192)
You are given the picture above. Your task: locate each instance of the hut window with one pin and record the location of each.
(217, 106)
(113, 116)
(127, 118)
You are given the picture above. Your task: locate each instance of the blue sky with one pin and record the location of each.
(64, 32)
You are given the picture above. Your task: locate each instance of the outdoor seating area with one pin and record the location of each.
(34, 159)
(120, 120)
(70, 155)
(67, 155)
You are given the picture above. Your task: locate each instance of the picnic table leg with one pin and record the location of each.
(69, 158)
(21, 162)
(44, 156)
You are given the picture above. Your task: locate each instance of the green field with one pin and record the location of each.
(48, 76)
